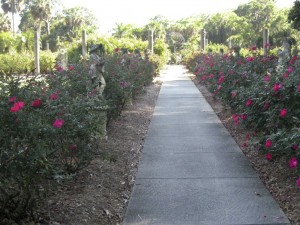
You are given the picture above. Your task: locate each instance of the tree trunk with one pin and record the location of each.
(47, 26)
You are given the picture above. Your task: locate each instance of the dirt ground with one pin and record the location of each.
(99, 193)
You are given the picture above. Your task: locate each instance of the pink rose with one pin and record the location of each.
(268, 143)
(249, 102)
(268, 156)
(283, 113)
(58, 123)
(53, 96)
(17, 106)
(267, 78)
(12, 99)
(293, 162)
(294, 147)
(36, 103)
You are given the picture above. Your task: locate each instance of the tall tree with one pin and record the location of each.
(67, 25)
(13, 7)
(41, 11)
(225, 27)
(294, 15)
(259, 13)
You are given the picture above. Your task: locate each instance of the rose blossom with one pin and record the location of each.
(267, 78)
(268, 143)
(36, 103)
(53, 96)
(266, 105)
(17, 106)
(283, 113)
(12, 99)
(294, 147)
(249, 102)
(277, 87)
(58, 123)
(293, 162)
(268, 156)
(73, 147)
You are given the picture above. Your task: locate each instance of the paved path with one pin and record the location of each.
(192, 172)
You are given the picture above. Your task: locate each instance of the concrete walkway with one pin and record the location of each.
(192, 172)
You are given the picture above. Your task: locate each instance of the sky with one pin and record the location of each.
(139, 12)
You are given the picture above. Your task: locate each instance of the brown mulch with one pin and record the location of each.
(99, 193)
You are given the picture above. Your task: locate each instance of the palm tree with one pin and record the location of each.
(12, 6)
(122, 30)
(41, 11)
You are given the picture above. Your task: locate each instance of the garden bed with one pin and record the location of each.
(276, 175)
(99, 193)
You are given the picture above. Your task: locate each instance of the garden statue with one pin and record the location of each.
(286, 50)
(97, 84)
(283, 56)
(97, 70)
(62, 59)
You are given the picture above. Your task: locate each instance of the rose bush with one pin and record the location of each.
(126, 76)
(42, 117)
(263, 93)
(51, 125)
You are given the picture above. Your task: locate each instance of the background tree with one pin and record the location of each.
(227, 27)
(13, 7)
(259, 14)
(294, 15)
(67, 26)
(40, 11)
(122, 30)
(281, 28)
(5, 23)
(139, 33)
(159, 25)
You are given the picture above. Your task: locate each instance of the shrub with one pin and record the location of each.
(51, 124)
(265, 96)
(46, 131)
(126, 76)
(23, 63)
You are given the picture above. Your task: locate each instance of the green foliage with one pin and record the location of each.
(294, 15)
(24, 63)
(109, 43)
(161, 54)
(52, 123)
(16, 63)
(122, 30)
(33, 148)
(6, 42)
(126, 76)
(47, 61)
